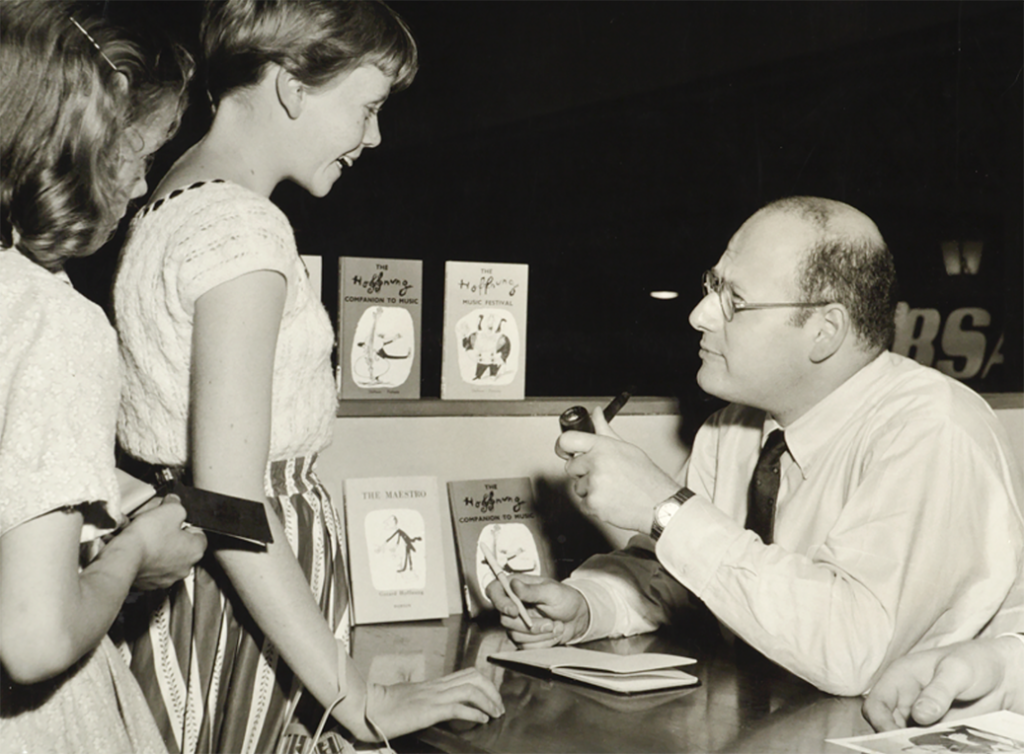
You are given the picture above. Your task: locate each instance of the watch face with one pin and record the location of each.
(665, 513)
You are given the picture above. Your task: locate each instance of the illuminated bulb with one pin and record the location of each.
(664, 295)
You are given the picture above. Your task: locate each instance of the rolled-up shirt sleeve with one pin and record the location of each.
(627, 591)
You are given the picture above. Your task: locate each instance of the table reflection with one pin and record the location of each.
(744, 703)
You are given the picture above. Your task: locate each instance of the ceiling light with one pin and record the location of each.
(664, 295)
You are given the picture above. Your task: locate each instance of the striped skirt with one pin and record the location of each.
(212, 680)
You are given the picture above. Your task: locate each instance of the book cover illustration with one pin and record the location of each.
(380, 313)
(484, 347)
(396, 549)
(395, 561)
(498, 514)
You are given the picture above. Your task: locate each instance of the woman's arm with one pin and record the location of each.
(233, 347)
(53, 614)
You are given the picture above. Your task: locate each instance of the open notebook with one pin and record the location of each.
(623, 674)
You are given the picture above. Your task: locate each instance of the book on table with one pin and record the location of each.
(396, 549)
(498, 515)
(623, 674)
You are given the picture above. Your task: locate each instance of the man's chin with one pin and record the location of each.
(711, 382)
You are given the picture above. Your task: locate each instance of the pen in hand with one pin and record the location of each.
(502, 578)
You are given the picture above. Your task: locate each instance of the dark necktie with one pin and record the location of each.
(764, 488)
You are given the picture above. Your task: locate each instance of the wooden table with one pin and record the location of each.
(743, 704)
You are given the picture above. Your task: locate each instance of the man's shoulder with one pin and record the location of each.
(911, 400)
(892, 393)
(910, 387)
(892, 390)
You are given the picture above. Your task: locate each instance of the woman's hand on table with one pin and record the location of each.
(402, 708)
(559, 612)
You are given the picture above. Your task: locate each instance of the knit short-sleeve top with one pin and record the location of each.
(177, 249)
(58, 399)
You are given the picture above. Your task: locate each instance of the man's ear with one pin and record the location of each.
(832, 328)
(291, 93)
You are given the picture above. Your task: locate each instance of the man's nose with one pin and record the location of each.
(707, 314)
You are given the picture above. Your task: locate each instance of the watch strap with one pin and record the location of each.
(680, 496)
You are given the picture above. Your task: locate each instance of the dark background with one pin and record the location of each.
(616, 146)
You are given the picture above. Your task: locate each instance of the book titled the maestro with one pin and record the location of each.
(396, 549)
(484, 346)
(380, 314)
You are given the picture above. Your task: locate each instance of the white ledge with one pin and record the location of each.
(638, 406)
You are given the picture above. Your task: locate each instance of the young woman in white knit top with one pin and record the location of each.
(226, 355)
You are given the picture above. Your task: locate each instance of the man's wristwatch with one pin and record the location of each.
(664, 511)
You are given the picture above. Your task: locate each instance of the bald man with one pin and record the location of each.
(847, 507)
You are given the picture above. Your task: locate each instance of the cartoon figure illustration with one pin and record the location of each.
(488, 339)
(396, 544)
(489, 347)
(404, 541)
(383, 336)
(515, 551)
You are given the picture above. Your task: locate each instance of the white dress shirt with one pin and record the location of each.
(898, 527)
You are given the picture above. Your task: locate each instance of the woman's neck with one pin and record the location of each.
(236, 149)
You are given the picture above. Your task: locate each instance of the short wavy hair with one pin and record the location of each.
(64, 114)
(159, 72)
(855, 270)
(314, 40)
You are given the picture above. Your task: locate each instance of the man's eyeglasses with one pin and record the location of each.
(714, 284)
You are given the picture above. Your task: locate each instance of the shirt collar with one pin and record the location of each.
(807, 435)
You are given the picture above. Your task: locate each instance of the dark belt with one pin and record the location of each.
(159, 476)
